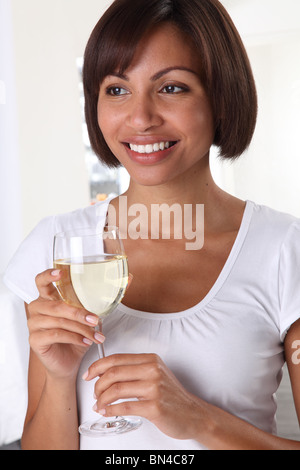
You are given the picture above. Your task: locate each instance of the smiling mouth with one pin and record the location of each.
(151, 148)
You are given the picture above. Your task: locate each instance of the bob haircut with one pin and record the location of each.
(226, 76)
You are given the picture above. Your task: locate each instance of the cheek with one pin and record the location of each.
(103, 119)
(202, 123)
(195, 119)
(109, 124)
(107, 120)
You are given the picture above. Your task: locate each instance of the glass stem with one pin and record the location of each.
(112, 423)
(100, 346)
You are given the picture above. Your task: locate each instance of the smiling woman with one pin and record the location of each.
(197, 346)
(157, 112)
(206, 25)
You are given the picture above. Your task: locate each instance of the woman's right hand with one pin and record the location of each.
(59, 334)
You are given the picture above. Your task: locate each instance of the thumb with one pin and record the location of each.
(44, 282)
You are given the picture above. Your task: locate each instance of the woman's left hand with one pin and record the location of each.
(160, 396)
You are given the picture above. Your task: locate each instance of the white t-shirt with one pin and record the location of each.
(228, 349)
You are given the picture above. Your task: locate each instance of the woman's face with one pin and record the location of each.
(156, 118)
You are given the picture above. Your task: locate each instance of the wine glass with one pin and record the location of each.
(94, 276)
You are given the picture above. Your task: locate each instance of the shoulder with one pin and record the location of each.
(272, 237)
(82, 217)
(269, 217)
(35, 253)
(272, 226)
(272, 257)
(47, 227)
(42, 235)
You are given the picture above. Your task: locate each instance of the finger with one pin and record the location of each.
(141, 389)
(60, 309)
(116, 360)
(42, 340)
(44, 282)
(117, 376)
(44, 322)
(145, 408)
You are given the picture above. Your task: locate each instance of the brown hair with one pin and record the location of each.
(227, 75)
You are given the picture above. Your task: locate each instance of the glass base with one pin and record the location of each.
(109, 426)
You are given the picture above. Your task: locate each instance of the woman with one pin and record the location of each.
(201, 335)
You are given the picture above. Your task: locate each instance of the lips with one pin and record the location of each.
(151, 148)
(149, 153)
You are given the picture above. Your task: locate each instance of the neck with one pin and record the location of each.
(196, 186)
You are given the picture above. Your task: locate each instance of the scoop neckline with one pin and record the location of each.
(227, 268)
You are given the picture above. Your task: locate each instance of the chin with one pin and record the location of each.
(153, 178)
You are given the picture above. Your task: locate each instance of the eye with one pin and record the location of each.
(173, 89)
(116, 91)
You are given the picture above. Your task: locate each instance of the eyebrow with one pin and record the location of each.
(157, 75)
(163, 72)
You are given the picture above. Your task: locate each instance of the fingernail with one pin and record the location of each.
(87, 341)
(55, 273)
(92, 320)
(99, 337)
(85, 375)
(101, 412)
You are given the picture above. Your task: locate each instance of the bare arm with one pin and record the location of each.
(59, 336)
(51, 421)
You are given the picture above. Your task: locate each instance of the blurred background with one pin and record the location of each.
(47, 167)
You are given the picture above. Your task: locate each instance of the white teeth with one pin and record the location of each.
(149, 148)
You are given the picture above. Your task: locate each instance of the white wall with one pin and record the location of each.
(269, 172)
(48, 37)
(10, 193)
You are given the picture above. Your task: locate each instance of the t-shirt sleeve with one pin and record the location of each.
(32, 257)
(289, 279)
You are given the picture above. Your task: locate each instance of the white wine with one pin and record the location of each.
(97, 284)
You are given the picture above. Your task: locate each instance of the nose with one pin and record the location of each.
(143, 113)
